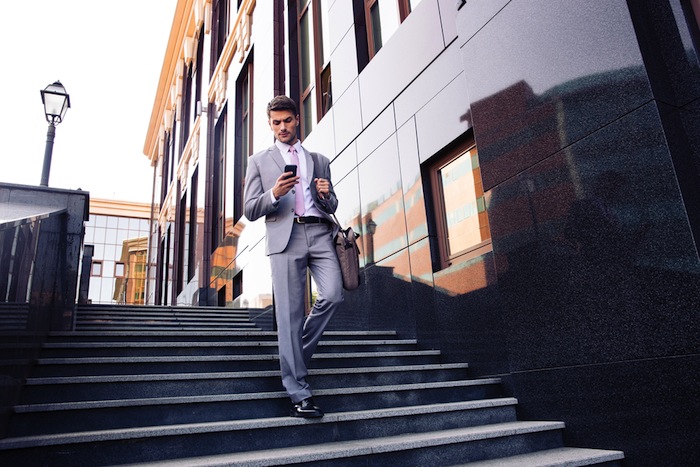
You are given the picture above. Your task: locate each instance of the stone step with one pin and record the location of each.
(128, 413)
(47, 367)
(564, 457)
(163, 348)
(201, 336)
(194, 326)
(185, 312)
(280, 440)
(73, 389)
(333, 455)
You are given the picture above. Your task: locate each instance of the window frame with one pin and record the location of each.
(319, 87)
(439, 215)
(93, 264)
(244, 138)
(403, 8)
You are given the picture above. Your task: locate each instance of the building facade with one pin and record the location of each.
(117, 235)
(525, 175)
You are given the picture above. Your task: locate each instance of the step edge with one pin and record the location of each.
(209, 358)
(213, 398)
(564, 456)
(251, 424)
(66, 380)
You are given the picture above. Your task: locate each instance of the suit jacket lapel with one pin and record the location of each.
(277, 157)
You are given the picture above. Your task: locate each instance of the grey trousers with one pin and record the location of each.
(310, 245)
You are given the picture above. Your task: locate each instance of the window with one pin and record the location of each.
(192, 237)
(314, 63)
(382, 18)
(459, 212)
(185, 108)
(244, 135)
(219, 31)
(181, 257)
(219, 181)
(119, 270)
(96, 268)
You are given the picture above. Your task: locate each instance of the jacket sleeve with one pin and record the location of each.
(257, 201)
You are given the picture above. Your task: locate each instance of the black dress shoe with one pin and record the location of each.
(306, 409)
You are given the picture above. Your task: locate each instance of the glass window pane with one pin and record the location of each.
(325, 45)
(309, 106)
(111, 237)
(326, 96)
(96, 268)
(390, 17)
(375, 27)
(305, 35)
(463, 200)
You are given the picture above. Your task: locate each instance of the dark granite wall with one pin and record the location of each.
(583, 116)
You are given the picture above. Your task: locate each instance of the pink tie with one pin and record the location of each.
(298, 192)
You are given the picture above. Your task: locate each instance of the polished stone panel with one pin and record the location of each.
(470, 315)
(595, 241)
(340, 18)
(353, 314)
(389, 289)
(321, 138)
(381, 194)
(530, 99)
(348, 192)
(376, 133)
(428, 330)
(404, 55)
(665, 32)
(680, 126)
(344, 163)
(443, 119)
(472, 16)
(347, 118)
(412, 182)
(446, 67)
(448, 11)
(343, 65)
(646, 407)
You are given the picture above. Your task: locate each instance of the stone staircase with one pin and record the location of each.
(158, 386)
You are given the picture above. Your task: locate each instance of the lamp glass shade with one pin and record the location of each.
(56, 102)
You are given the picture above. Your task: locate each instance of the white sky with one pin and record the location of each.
(108, 55)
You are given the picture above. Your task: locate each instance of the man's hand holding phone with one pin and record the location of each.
(286, 181)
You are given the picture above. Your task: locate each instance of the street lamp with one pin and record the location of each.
(371, 229)
(56, 102)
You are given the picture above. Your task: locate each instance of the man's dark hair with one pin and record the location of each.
(282, 103)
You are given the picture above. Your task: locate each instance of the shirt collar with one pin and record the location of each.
(284, 147)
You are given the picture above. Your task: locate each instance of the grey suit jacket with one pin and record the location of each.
(264, 168)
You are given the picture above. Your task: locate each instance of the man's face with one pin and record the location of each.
(284, 125)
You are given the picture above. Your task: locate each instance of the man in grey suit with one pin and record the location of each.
(297, 209)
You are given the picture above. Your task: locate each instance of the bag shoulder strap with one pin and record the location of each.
(314, 156)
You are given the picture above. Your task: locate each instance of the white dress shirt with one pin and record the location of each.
(310, 208)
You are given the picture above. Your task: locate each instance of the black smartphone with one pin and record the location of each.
(291, 168)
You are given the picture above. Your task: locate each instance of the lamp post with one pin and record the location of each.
(371, 229)
(56, 102)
